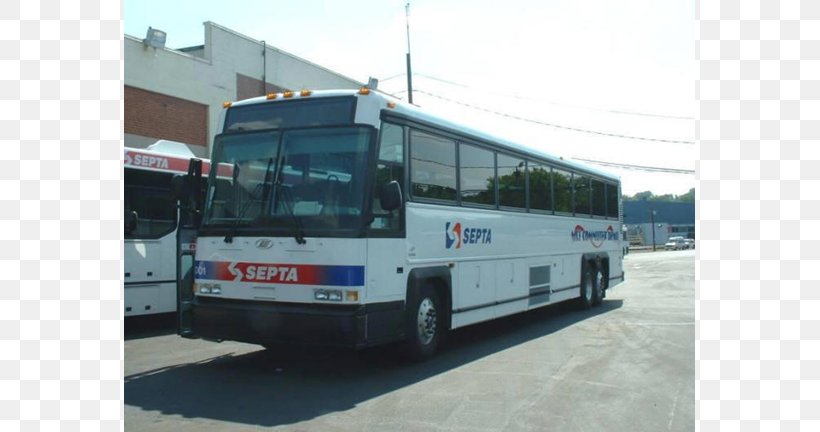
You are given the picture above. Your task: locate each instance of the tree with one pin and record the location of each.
(688, 196)
(642, 196)
(649, 196)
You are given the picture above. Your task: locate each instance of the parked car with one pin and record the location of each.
(690, 243)
(676, 243)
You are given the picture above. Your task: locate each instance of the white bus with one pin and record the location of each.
(354, 219)
(150, 210)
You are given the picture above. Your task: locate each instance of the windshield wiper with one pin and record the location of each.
(259, 193)
(300, 231)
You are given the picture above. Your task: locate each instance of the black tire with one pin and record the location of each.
(589, 290)
(601, 283)
(423, 324)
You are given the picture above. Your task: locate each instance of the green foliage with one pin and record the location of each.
(649, 196)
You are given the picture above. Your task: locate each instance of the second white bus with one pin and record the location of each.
(150, 226)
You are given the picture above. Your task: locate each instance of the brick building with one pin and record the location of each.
(177, 94)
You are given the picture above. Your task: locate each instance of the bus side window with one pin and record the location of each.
(562, 188)
(611, 200)
(432, 167)
(581, 197)
(390, 166)
(540, 187)
(598, 198)
(148, 194)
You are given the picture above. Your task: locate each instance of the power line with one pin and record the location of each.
(521, 97)
(557, 126)
(637, 167)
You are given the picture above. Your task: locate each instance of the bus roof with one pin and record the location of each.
(414, 112)
(162, 156)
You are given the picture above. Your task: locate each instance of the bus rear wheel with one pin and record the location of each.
(590, 290)
(423, 324)
(601, 282)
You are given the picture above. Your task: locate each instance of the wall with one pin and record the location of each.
(159, 116)
(229, 66)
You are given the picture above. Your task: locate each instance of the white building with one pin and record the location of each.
(178, 94)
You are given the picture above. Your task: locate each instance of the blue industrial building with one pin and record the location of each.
(670, 219)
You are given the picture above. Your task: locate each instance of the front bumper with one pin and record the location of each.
(270, 323)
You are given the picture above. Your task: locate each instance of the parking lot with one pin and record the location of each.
(625, 366)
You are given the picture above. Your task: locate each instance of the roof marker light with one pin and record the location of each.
(226, 104)
(287, 94)
(364, 91)
(305, 93)
(271, 96)
(391, 105)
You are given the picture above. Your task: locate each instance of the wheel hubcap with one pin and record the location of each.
(588, 289)
(426, 321)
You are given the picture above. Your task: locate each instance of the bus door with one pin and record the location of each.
(190, 193)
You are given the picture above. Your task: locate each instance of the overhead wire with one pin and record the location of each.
(554, 125)
(530, 98)
(636, 167)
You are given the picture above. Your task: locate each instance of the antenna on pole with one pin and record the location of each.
(409, 71)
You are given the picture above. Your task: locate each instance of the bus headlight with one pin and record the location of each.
(327, 295)
(206, 288)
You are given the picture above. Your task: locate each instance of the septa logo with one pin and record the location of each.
(452, 236)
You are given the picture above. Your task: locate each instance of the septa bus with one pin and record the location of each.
(354, 219)
(151, 221)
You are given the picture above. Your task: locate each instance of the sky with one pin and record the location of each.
(580, 79)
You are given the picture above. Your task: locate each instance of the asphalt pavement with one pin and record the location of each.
(627, 365)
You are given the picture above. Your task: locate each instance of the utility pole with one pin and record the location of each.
(652, 219)
(409, 72)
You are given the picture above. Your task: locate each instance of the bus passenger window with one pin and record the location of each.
(562, 186)
(433, 166)
(581, 184)
(540, 187)
(477, 173)
(611, 200)
(598, 198)
(512, 182)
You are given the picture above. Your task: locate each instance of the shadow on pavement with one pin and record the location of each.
(140, 327)
(266, 388)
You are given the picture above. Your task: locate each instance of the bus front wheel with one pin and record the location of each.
(423, 324)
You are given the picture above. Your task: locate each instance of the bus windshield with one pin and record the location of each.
(313, 179)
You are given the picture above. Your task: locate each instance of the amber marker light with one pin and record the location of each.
(287, 94)
(226, 104)
(305, 93)
(364, 91)
(271, 96)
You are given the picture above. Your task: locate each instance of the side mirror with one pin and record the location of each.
(390, 196)
(178, 187)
